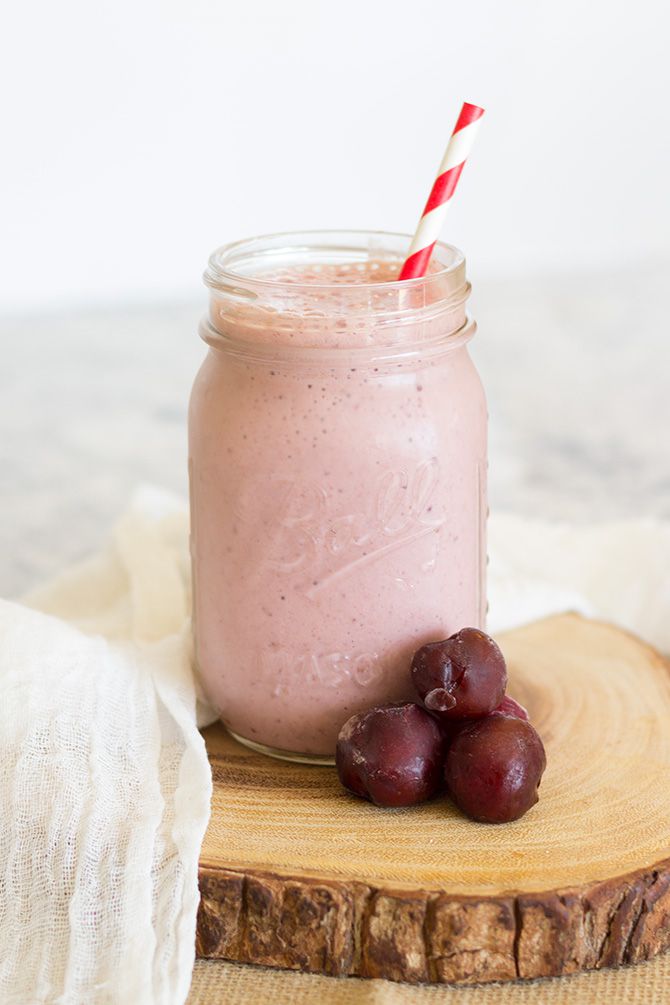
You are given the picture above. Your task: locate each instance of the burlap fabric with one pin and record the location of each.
(216, 983)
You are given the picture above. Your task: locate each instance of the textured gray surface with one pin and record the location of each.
(91, 404)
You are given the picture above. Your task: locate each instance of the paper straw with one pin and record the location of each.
(444, 186)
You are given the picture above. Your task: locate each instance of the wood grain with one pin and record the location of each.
(294, 873)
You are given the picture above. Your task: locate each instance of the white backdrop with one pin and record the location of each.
(141, 134)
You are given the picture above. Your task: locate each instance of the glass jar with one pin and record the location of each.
(337, 460)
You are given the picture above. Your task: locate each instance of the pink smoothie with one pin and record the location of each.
(337, 506)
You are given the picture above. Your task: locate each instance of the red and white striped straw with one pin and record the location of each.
(432, 218)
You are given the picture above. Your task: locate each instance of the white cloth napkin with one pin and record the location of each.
(104, 781)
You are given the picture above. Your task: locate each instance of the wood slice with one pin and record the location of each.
(295, 873)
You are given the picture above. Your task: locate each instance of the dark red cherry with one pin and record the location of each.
(393, 755)
(493, 768)
(462, 677)
(508, 706)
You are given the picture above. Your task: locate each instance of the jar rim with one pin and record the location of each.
(220, 275)
(397, 354)
(256, 292)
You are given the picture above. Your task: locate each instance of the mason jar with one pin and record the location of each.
(337, 459)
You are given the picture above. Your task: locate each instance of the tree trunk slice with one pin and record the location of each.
(295, 873)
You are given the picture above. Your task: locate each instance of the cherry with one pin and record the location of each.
(493, 768)
(462, 677)
(393, 755)
(508, 706)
